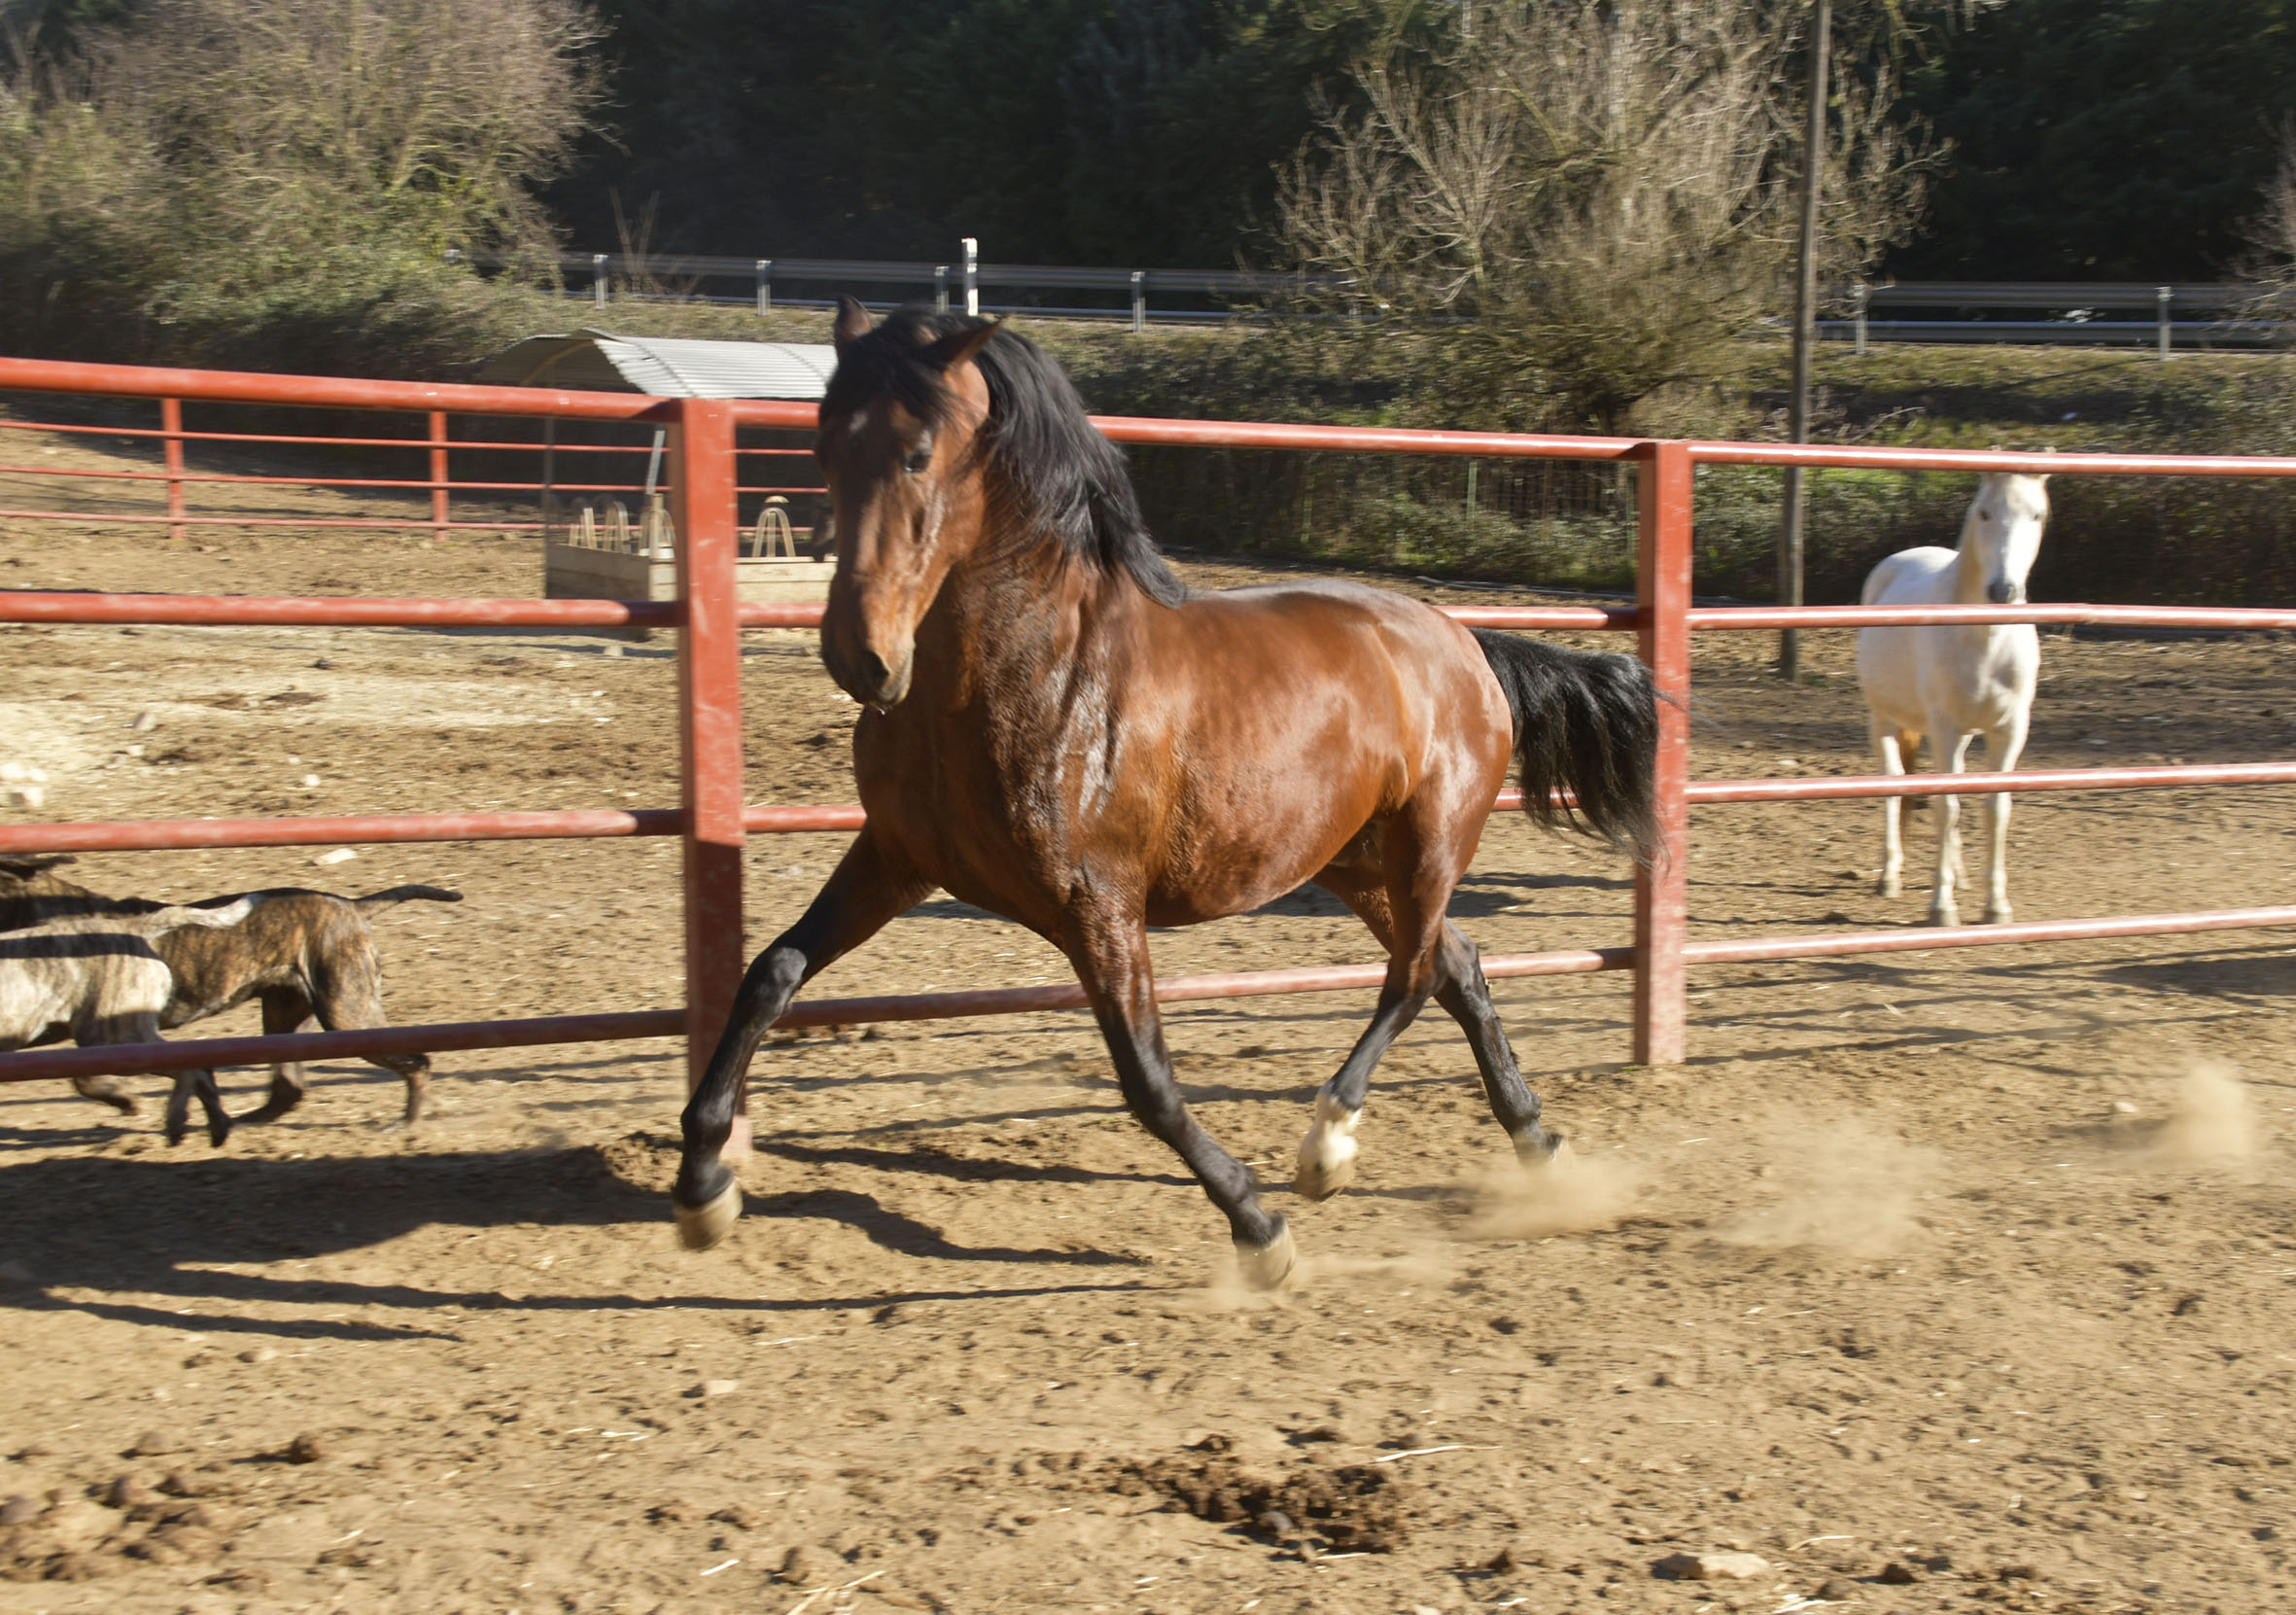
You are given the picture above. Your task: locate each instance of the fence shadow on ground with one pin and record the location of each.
(164, 1233)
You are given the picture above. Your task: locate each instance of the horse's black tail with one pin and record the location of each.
(1588, 723)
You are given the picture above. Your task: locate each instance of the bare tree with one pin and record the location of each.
(1599, 192)
(313, 117)
(2270, 260)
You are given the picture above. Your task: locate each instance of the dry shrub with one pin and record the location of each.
(1596, 195)
(265, 180)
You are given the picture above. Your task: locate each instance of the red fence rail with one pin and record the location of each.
(435, 490)
(713, 820)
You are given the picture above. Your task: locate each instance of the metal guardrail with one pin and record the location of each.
(960, 280)
(2074, 304)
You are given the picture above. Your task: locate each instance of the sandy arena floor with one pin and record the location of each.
(1934, 1279)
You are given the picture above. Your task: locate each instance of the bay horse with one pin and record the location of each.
(1056, 729)
(1956, 682)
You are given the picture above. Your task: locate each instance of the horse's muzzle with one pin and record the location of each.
(2004, 593)
(867, 678)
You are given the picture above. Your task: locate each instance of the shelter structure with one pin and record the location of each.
(593, 546)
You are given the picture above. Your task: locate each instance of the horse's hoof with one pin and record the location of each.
(218, 1134)
(699, 1227)
(1998, 916)
(1267, 1267)
(1945, 916)
(1538, 1148)
(1327, 1155)
(1888, 888)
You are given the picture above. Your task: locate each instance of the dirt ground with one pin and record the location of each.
(1933, 1280)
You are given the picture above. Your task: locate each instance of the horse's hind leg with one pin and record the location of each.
(1111, 959)
(1405, 908)
(1468, 997)
(1327, 1155)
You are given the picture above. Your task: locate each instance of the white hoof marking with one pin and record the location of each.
(1267, 1267)
(700, 1227)
(1327, 1155)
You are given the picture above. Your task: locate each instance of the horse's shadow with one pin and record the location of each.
(2243, 977)
(168, 1232)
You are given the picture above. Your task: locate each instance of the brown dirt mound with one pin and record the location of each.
(643, 1160)
(1355, 1508)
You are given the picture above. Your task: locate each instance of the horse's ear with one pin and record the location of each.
(958, 346)
(852, 324)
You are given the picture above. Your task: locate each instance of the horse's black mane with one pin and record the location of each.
(1038, 447)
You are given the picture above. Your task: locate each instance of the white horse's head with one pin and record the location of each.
(2003, 532)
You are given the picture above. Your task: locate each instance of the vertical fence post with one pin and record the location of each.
(765, 286)
(1663, 481)
(1139, 301)
(2160, 300)
(940, 288)
(710, 729)
(972, 275)
(171, 424)
(1862, 294)
(598, 288)
(439, 494)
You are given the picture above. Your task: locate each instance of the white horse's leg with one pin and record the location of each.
(1892, 880)
(2003, 747)
(1942, 909)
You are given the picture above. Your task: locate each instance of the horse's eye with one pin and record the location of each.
(918, 459)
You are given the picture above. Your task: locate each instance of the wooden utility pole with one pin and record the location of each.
(1805, 338)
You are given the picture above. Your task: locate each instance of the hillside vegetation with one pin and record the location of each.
(1564, 216)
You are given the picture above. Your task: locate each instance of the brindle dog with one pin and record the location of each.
(307, 954)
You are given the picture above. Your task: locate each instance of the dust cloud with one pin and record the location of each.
(1849, 1187)
(2213, 1121)
(1571, 1194)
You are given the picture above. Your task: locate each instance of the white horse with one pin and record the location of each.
(1954, 684)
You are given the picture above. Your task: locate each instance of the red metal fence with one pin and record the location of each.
(428, 499)
(714, 821)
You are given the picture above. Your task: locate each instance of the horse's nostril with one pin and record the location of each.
(2002, 594)
(874, 670)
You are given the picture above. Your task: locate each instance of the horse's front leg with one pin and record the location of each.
(1110, 954)
(1943, 910)
(1886, 742)
(2003, 748)
(867, 889)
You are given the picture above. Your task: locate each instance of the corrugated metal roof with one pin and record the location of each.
(664, 366)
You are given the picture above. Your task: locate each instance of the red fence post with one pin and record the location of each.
(710, 729)
(171, 424)
(439, 511)
(1663, 481)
